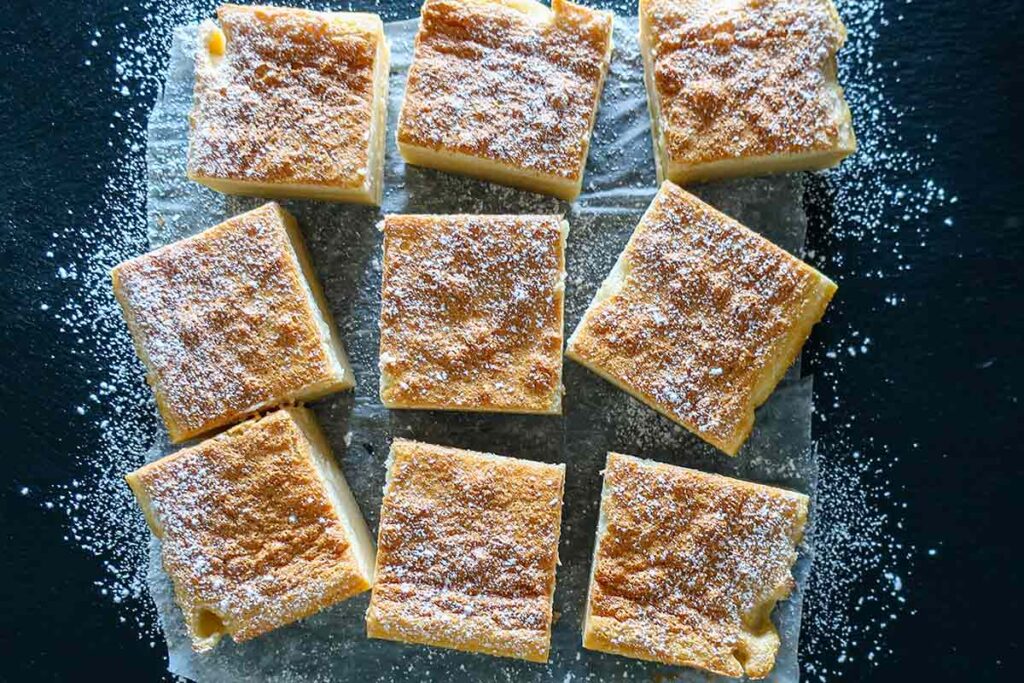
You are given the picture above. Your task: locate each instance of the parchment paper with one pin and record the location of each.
(345, 244)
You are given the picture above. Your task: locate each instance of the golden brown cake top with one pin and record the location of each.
(285, 96)
(744, 78)
(471, 311)
(699, 321)
(508, 81)
(691, 565)
(467, 550)
(247, 527)
(223, 321)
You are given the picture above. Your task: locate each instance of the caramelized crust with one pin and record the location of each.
(740, 86)
(688, 567)
(508, 82)
(227, 323)
(467, 551)
(250, 536)
(471, 313)
(700, 317)
(287, 98)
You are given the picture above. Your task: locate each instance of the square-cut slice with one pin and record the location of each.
(688, 567)
(506, 91)
(471, 313)
(743, 87)
(700, 318)
(230, 322)
(467, 551)
(257, 527)
(290, 103)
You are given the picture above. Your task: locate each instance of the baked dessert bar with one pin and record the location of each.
(506, 91)
(258, 527)
(471, 313)
(467, 550)
(290, 103)
(743, 87)
(700, 317)
(688, 566)
(231, 321)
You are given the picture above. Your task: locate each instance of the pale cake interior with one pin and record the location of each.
(681, 173)
(338, 491)
(333, 348)
(451, 161)
(212, 40)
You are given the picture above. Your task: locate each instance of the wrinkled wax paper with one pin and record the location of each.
(345, 243)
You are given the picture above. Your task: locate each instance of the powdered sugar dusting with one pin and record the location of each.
(248, 530)
(290, 100)
(881, 196)
(498, 83)
(747, 79)
(690, 564)
(225, 323)
(467, 553)
(706, 312)
(471, 312)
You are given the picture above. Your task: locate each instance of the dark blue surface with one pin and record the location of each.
(947, 374)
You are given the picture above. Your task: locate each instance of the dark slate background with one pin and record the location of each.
(951, 357)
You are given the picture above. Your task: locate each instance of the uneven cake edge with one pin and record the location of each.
(535, 647)
(205, 626)
(370, 191)
(490, 170)
(737, 167)
(760, 649)
(342, 376)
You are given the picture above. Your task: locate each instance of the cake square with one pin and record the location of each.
(506, 91)
(258, 527)
(230, 322)
(743, 87)
(700, 318)
(468, 545)
(290, 103)
(688, 567)
(471, 313)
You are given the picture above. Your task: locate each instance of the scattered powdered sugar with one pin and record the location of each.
(537, 83)
(881, 196)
